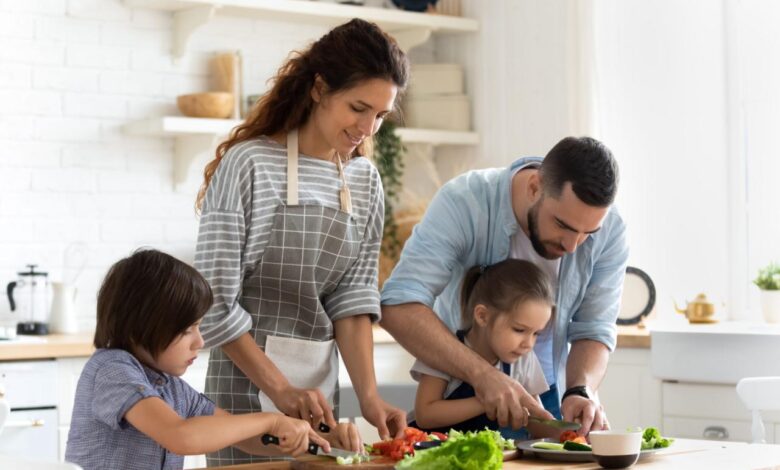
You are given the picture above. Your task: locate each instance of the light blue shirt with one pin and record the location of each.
(470, 222)
(112, 382)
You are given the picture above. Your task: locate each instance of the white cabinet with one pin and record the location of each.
(31, 391)
(710, 411)
(631, 396)
(68, 372)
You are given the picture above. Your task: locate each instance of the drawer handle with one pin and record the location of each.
(716, 432)
(28, 423)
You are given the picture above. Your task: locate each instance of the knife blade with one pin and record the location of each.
(335, 452)
(313, 449)
(556, 423)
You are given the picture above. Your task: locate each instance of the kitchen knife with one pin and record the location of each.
(556, 423)
(313, 449)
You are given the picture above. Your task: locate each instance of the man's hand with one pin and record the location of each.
(505, 400)
(309, 405)
(388, 420)
(587, 412)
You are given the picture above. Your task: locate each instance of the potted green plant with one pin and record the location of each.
(768, 281)
(388, 155)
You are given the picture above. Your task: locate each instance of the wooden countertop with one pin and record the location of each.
(633, 336)
(684, 454)
(80, 345)
(47, 347)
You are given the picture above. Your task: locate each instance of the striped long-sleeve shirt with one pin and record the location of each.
(237, 216)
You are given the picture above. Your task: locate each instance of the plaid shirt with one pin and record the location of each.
(112, 382)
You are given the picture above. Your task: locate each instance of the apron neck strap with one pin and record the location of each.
(345, 198)
(292, 168)
(292, 175)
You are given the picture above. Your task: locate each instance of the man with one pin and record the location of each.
(554, 212)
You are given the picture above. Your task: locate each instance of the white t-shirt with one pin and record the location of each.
(526, 370)
(522, 248)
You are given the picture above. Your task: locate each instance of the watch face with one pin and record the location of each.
(638, 297)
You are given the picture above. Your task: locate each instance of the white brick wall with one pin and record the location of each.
(72, 72)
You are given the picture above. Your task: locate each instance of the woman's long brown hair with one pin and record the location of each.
(346, 56)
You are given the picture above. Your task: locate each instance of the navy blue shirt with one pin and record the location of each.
(112, 381)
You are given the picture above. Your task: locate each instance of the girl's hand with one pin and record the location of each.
(345, 436)
(294, 435)
(388, 420)
(309, 405)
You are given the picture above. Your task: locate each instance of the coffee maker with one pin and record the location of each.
(29, 299)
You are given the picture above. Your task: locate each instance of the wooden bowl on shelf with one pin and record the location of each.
(213, 104)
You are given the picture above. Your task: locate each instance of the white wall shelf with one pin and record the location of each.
(196, 135)
(408, 28)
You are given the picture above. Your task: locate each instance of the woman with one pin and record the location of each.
(291, 224)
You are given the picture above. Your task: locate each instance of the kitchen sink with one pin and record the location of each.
(715, 353)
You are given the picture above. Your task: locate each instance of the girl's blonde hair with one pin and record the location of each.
(502, 287)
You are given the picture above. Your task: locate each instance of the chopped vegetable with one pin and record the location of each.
(652, 439)
(397, 448)
(463, 451)
(567, 436)
(352, 459)
(547, 445)
(576, 446)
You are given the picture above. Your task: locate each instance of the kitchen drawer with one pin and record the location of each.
(714, 429)
(703, 401)
(23, 439)
(696, 400)
(29, 384)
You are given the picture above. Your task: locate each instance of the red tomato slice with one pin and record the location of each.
(441, 436)
(568, 436)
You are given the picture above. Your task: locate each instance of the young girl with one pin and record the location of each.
(290, 230)
(132, 410)
(503, 309)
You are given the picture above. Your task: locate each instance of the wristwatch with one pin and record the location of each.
(581, 390)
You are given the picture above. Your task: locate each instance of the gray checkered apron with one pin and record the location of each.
(309, 250)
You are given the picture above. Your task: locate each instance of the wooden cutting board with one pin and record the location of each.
(322, 463)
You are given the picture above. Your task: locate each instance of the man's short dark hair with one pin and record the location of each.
(147, 300)
(587, 164)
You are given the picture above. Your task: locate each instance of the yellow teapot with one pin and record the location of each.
(700, 310)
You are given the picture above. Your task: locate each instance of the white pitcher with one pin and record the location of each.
(63, 308)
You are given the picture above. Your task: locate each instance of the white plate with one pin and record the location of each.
(566, 455)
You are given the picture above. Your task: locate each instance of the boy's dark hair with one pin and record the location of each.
(502, 287)
(147, 300)
(588, 164)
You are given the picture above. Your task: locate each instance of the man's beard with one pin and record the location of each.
(533, 233)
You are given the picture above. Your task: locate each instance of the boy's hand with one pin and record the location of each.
(345, 436)
(294, 435)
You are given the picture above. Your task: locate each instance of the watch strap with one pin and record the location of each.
(580, 390)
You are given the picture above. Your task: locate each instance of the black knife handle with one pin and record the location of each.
(324, 428)
(268, 439)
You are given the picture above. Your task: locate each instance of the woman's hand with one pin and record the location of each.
(309, 405)
(294, 435)
(345, 436)
(388, 420)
